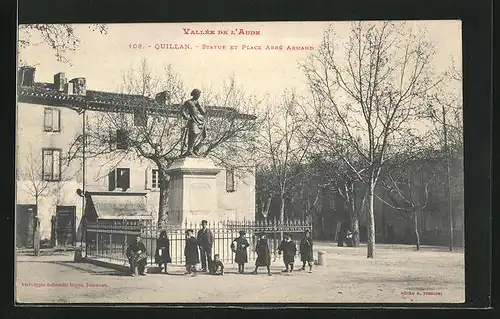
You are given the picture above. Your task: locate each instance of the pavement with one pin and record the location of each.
(398, 273)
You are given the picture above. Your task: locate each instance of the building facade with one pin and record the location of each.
(58, 180)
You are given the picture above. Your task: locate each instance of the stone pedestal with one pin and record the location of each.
(193, 190)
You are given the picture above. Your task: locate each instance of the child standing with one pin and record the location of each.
(191, 252)
(263, 254)
(239, 247)
(287, 246)
(217, 266)
(306, 251)
(162, 255)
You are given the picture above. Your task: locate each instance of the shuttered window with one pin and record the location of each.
(51, 169)
(52, 120)
(119, 178)
(230, 184)
(155, 179)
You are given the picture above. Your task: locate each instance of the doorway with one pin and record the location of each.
(65, 222)
(25, 215)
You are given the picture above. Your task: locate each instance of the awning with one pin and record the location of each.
(120, 206)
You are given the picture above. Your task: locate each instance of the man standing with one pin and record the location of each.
(205, 240)
(194, 113)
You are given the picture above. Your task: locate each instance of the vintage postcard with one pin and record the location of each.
(278, 162)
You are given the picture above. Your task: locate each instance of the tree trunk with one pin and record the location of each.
(415, 225)
(371, 222)
(355, 228)
(164, 190)
(265, 208)
(282, 212)
(354, 219)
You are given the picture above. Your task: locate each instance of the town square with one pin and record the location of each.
(273, 163)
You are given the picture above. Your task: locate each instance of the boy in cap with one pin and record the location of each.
(239, 247)
(263, 254)
(306, 251)
(287, 246)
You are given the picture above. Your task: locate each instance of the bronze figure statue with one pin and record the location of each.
(194, 113)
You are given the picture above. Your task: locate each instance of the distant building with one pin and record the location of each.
(50, 118)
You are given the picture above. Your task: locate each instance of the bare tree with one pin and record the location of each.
(407, 179)
(445, 112)
(335, 175)
(282, 149)
(35, 184)
(152, 128)
(59, 37)
(366, 94)
(265, 189)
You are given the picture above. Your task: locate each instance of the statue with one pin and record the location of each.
(195, 129)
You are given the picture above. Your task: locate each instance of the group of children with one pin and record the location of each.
(239, 246)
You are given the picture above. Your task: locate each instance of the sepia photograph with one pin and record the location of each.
(240, 162)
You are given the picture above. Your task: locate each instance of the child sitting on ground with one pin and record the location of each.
(217, 266)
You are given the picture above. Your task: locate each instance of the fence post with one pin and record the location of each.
(110, 245)
(274, 239)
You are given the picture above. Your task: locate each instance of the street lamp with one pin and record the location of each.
(82, 194)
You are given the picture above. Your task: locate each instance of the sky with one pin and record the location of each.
(102, 59)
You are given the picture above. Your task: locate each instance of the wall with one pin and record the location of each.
(239, 204)
(30, 140)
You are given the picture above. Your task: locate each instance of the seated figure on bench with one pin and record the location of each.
(137, 257)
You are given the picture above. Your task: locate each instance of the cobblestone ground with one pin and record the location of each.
(398, 273)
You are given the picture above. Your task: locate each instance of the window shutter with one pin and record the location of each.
(56, 120)
(112, 180)
(230, 180)
(147, 183)
(140, 117)
(121, 139)
(47, 120)
(56, 165)
(47, 165)
(155, 179)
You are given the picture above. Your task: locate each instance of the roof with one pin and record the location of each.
(46, 94)
(119, 206)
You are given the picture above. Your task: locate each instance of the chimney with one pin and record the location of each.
(79, 86)
(26, 76)
(163, 98)
(60, 81)
(68, 88)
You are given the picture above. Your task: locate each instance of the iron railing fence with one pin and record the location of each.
(108, 240)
